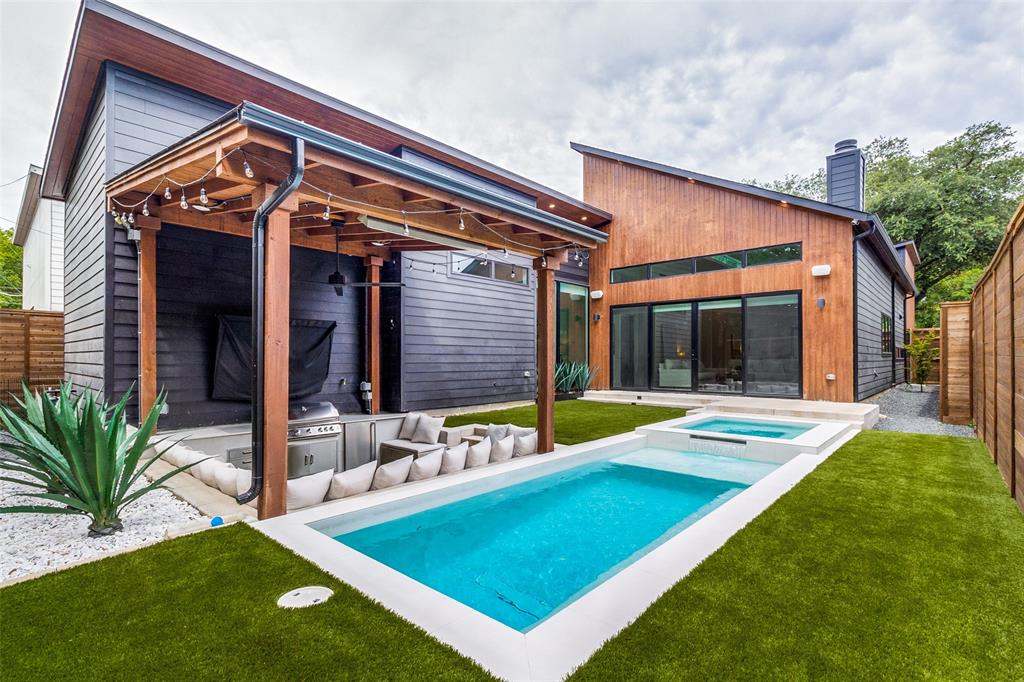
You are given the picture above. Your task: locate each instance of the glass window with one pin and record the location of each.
(673, 346)
(634, 273)
(573, 318)
(722, 261)
(471, 265)
(509, 272)
(773, 254)
(672, 268)
(772, 348)
(886, 334)
(629, 347)
(720, 346)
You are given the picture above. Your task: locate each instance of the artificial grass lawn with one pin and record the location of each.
(900, 557)
(576, 421)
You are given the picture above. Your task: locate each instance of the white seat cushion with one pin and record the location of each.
(301, 492)
(409, 425)
(427, 466)
(501, 451)
(428, 429)
(224, 475)
(419, 449)
(352, 482)
(525, 445)
(454, 459)
(497, 431)
(520, 431)
(392, 473)
(479, 454)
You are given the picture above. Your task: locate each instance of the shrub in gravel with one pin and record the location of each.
(77, 452)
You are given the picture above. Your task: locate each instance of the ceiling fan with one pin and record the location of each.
(339, 281)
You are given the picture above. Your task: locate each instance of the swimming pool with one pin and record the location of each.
(749, 427)
(520, 553)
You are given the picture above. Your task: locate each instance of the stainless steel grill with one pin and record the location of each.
(312, 420)
(314, 440)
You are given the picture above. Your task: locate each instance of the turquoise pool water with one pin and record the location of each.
(520, 553)
(749, 427)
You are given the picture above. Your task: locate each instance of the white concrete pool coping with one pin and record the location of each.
(564, 640)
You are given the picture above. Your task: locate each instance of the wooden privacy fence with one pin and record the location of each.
(954, 364)
(31, 349)
(997, 357)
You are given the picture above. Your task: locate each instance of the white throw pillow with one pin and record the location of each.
(520, 431)
(497, 431)
(173, 455)
(525, 445)
(426, 466)
(205, 470)
(501, 451)
(352, 482)
(428, 429)
(224, 476)
(309, 490)
(479, 454)
(454, 459)
(409, 425)
(392, 473)
(190, 456)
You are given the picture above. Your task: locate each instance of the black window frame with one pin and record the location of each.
(887, 335)
(490, 269)
(646, 270)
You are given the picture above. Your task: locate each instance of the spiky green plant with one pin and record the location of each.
(573, 376)
(77, 452)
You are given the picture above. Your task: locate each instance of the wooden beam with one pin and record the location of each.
(147, 321)
(373, 265)
(545, 267)
(273, 499)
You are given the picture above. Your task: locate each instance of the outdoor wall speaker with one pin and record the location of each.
(596, 294)
(821, 270)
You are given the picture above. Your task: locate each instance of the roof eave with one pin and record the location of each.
(29, 202)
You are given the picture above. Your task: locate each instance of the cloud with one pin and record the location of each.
(732, 89)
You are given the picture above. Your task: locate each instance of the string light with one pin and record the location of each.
(131, 219)
(167, 193)
(203, 199)
(462, 223)
(327, 207)
(145, 210)
(247, 169)
(183, 203)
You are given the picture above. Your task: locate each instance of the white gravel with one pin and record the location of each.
(910, 409)
(33, 543)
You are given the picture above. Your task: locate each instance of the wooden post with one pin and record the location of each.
(273, 500)
(147, 320)
(545, 267)
(373, 265)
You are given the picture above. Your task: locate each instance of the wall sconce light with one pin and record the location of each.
(820, 303)
(597, 317)
(596, 294)
(821, 270)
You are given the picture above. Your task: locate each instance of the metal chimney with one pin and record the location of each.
(844, 174)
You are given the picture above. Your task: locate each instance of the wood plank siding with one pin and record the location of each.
(85, 270)
(877, 295)
(661, 217)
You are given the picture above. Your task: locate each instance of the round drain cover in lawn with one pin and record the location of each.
(304, 596)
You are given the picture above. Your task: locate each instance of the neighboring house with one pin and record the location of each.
(715, 286)
(460, 333)
(39, 231)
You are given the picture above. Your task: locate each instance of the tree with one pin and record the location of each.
(10, 271)
(953, 201)
(956, 287)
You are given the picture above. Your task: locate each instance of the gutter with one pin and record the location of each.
(259, 224)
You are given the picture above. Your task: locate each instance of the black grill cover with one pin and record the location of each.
(309, 357)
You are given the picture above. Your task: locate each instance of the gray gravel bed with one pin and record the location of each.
(908, 409)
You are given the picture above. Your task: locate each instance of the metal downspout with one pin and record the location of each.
(259, 224)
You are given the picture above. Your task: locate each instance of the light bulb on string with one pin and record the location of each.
(203, 199)
(167, 193)
(247, 169)
(327, 207)
(131, 219)
(145, 209)
(462, 223)
(183, 203)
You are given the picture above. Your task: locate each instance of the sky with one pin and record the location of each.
(737, 90)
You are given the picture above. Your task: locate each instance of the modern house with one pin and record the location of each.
(39, 231)
(714, 286)
(665, 279)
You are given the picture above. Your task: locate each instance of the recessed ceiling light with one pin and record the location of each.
(583, 218)
(551, 205)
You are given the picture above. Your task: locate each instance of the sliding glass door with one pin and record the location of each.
(720, 347)
(629, 347)
(672, 346)
(573, 319)
(745, 345)
(773, 345)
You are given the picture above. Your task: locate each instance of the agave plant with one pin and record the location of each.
(77, 452)
(573, 376)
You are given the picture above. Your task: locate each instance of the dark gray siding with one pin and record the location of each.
(465, 340)
(571, 272)
(201, 275)
(845, 179)
(876, 295)
(144, 116)
(86, 222)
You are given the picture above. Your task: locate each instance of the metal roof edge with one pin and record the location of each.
(29, 201)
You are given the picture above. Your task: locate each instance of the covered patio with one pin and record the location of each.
(258, 174)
